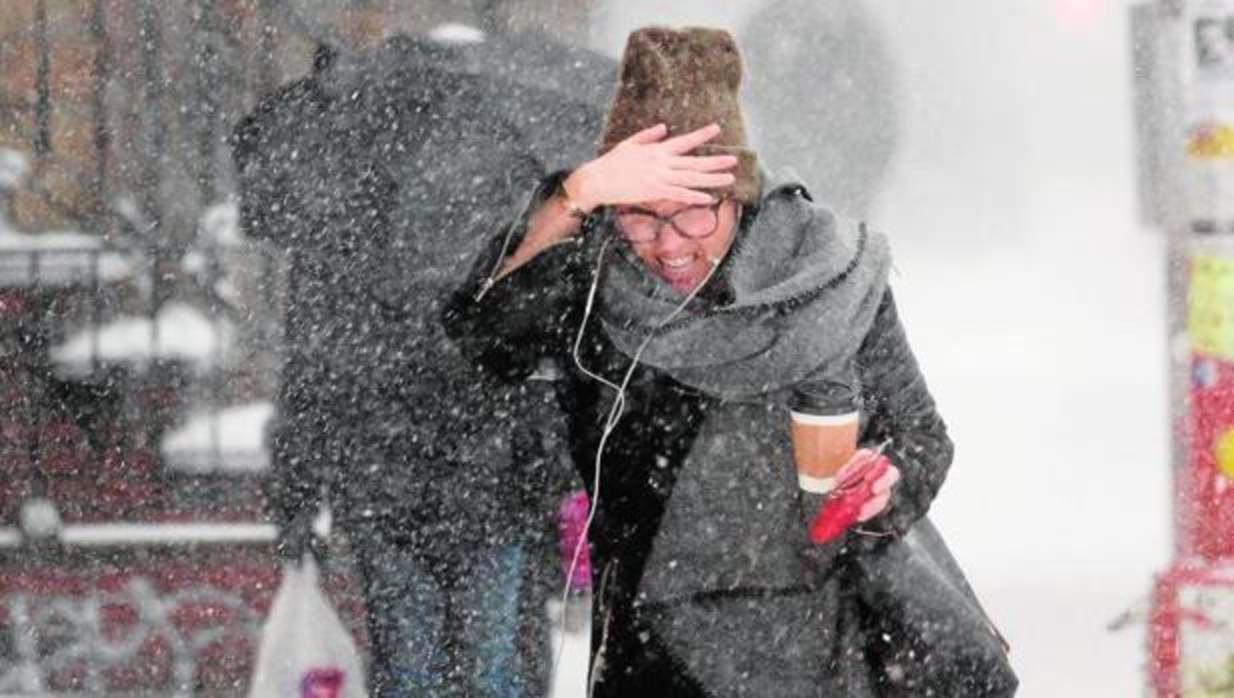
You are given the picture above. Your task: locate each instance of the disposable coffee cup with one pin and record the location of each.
(825, 417)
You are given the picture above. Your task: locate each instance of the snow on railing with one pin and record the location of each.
(230, 439)
(178, 331)
(106, 535)
(61, 259)
(89, 318)
(10, 537)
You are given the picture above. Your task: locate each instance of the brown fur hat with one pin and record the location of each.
(687, 79)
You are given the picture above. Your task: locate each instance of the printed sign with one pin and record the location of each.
(1225, 453)
(1210, 311)
(1210, 47)
(1208, 84)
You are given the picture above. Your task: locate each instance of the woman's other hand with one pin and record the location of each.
(874, 475)
(863, 491)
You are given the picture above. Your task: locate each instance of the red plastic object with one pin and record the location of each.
(842, 508)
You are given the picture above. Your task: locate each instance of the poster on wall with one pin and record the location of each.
(1209, 47)
(1210, 305)
(1208, 83)
(1208, 501)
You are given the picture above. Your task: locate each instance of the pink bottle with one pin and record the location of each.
(571, 529)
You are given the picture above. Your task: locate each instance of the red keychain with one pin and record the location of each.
(843, 505)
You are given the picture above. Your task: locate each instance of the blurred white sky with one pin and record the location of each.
(1011, 111)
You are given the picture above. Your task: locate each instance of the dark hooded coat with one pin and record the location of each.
(376, 175)
(706, 584)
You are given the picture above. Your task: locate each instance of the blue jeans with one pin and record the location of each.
(447, 627)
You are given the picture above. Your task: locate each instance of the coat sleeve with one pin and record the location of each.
(509, 325)
(306, 450)
(899, 407)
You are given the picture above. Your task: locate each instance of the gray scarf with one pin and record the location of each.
(805, 288)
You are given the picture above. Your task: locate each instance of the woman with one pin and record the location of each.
(690, 295)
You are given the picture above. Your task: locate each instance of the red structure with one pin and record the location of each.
(1191, 639)
(1184, 55)
(1208, 490)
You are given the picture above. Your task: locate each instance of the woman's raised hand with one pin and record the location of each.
(650, 167)
(644, 167)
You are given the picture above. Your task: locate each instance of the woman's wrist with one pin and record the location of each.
(558, 218)
(576, 189)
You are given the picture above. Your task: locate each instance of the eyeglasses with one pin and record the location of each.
(639, 225)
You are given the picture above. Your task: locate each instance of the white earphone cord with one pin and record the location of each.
(616, 410)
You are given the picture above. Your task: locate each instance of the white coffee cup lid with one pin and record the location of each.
(825, 420)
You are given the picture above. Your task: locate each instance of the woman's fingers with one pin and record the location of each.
(686, 196)
(707, 163)
(874, 507)
(699, 180)
(649, 135)
(846, 473)
(887, 481)
(857, 467)
(680, 145)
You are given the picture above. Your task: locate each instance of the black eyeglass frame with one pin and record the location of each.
(662, 220)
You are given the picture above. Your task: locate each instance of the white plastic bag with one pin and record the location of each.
(305, 651)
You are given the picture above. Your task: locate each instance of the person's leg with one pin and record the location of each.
(487, 613)
(540, 582)
(405, 610)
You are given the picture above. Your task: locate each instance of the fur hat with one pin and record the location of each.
(686, 79)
